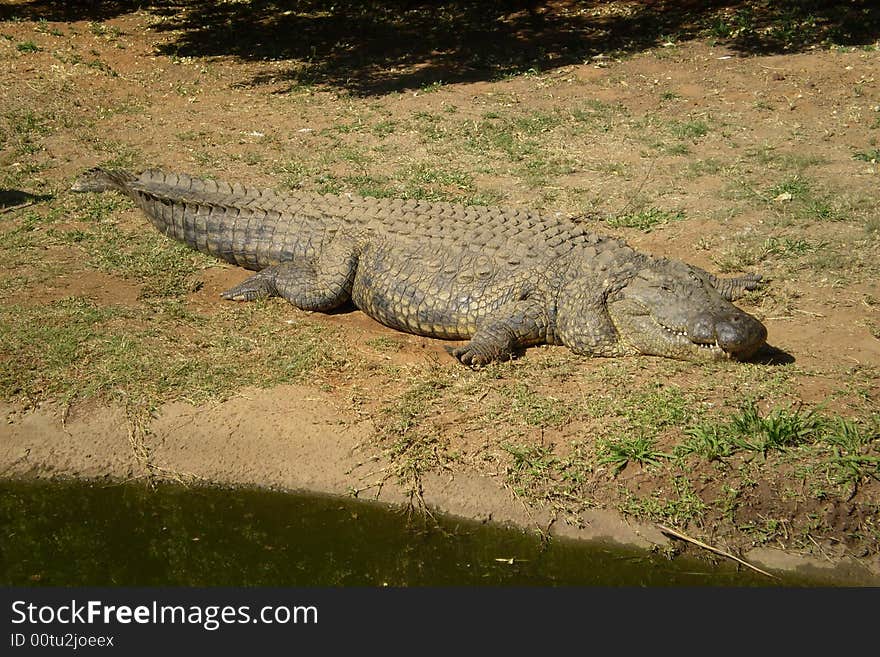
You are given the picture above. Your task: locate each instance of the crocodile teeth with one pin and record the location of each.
(682, 334)
(701, 345)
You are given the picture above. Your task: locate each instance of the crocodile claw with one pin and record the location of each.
(467, 355)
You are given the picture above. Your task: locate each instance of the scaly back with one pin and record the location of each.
(502, 232)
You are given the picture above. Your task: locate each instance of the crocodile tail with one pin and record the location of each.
(102, 180)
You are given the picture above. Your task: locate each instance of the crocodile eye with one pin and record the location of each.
(666, 286)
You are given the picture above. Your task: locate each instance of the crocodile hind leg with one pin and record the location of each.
(498, 337)
(321, 284)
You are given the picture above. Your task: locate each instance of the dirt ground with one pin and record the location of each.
(729, 137)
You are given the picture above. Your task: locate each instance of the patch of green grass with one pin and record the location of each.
(402, 415)
(677, 149)
(522, 404)
(108, 31)
(769, 156)
(851, 459)
(355, 127)
(797, 197)
(722, 26)
(795, 188)
(518, 73)
(748, 253)
(431, 87)
(748, 430)
(678, 508)
(95, 208)
(707, 167)
(13, 284)
(430, 126)
(693, 130)
(785, 26)
(621, 451)
(142, 356)
(385, 344)
(363, 184)
(384, 128)
(645, 220)
(764, 530)
(104, 67)
(43, 347)
(421, 181)
(535, 123)
(789, 246)
(28, 234)
(22, 130)
(164, 267)
(367, 185)
(129, 106)
(658, 408)
(192, 135)
(292, 172)
(598, 115)
(516, 137)
(352, 155)
(71, 58)
(643, 412)
(432, 183)
(27, 47)
(43, 28)
(482, 197)
(872, 156)
(413, 446)
(531, 467)
(118, 154)
(253, 158)
(537, 171)
(779, 430)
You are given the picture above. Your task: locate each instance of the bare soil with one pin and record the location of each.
(768, 155)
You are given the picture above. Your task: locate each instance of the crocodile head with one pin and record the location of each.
(671, 309)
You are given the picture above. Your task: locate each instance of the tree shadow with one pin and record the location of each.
(375, 47)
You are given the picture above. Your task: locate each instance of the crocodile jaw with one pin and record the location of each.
(728, 335)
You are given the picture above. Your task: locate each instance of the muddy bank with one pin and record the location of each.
(295, 438)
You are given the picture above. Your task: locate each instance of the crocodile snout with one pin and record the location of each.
(739, 334)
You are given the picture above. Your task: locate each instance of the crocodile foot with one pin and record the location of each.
(474, 357)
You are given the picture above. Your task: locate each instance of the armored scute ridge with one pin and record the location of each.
(502, 278)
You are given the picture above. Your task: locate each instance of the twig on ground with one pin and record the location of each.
(684, 537)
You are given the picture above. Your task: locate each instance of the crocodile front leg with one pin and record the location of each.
(320, 285)
(498, 337)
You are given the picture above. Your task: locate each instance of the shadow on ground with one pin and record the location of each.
(371, 47)
(769, 355)
(10, 199)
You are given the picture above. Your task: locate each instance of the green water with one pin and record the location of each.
(66, 534)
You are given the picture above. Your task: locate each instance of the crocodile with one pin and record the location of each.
(501, 278)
